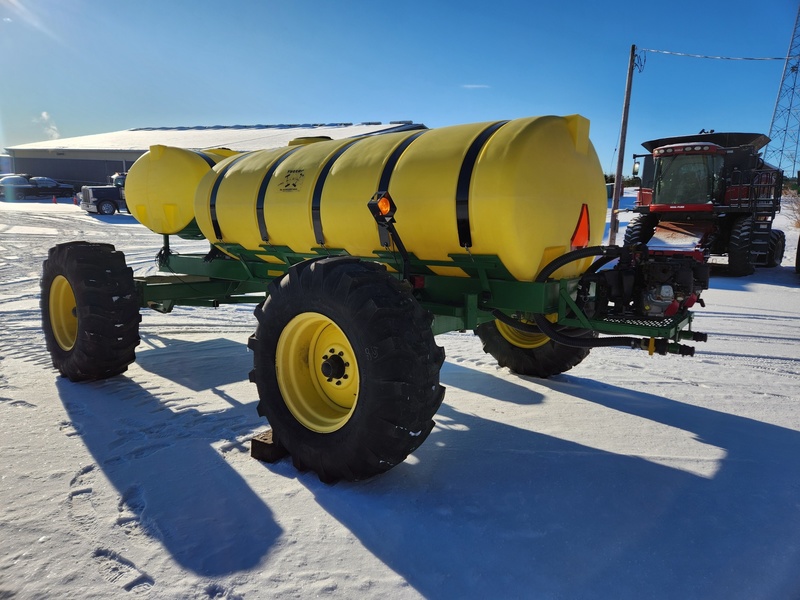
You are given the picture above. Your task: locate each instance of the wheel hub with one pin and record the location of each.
(334, 366)
(317, 372)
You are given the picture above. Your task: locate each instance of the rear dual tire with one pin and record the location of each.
(777, 248)
(740, 262)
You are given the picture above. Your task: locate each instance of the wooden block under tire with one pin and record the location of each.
(263, 447)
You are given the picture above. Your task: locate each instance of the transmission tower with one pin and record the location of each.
(785, 128)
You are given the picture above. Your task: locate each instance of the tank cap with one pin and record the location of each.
(302, 141)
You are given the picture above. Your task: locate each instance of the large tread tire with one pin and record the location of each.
(797, 260)
(777, 247)
(640, 230)
(740, 262)
(391, 351)
(546, 360)
(90, 310)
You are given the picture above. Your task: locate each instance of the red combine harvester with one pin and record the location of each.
(713, 190)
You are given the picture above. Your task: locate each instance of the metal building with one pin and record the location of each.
(91, 159)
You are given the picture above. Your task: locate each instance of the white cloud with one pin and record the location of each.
(475, 86)
(49, 126)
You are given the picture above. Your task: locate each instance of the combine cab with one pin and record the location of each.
(712, 191)
(356, 253)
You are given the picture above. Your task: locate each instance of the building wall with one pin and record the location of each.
(77, 171)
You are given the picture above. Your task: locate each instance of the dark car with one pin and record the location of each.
(17, 187)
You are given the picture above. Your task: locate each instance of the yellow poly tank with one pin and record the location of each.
(161, 186)
(513, 189)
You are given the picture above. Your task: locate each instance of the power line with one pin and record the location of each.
(715, 57)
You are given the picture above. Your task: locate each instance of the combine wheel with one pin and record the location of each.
(90, 311)
(640, 230)
(797, 261)
(532, 354)
(346, 367)
(777, 246)
(740, 262)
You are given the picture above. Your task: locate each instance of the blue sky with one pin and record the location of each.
(78, 67)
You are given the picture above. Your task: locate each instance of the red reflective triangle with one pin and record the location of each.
(580, 239)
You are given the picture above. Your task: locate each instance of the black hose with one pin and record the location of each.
(546, 327)
(609, 252)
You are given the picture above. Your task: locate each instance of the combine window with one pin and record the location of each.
(687, 179)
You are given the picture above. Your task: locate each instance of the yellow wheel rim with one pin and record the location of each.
(520, 339)
(317, 372)
(63, 313)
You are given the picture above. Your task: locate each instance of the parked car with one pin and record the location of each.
(17, 187)
(105, 199)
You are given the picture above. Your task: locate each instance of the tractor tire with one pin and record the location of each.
(740, 262)
(346, 367)
(640, 230)
(797, 260)
(777, 247)
(535, 355)
(90, 310)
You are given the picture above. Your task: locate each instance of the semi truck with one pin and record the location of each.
(356, 253)
(714, 191)
(105, 199)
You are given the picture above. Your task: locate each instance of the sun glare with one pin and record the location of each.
(16, 11)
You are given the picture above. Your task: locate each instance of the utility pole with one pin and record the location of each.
(623, 133)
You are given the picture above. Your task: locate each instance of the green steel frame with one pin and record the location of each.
(457, 303)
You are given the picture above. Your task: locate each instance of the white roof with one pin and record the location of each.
(236, 137)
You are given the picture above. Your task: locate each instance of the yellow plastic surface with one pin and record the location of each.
(162, 183)
(527, 188)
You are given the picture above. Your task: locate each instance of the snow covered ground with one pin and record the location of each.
(628, 477)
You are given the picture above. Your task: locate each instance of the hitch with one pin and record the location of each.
(663, 347)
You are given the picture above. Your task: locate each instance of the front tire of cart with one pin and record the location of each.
(532, 354)
(346, 367)
(90, 311)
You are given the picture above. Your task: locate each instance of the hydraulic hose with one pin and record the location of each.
(544, 326)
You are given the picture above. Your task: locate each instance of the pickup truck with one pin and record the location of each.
(19, 187)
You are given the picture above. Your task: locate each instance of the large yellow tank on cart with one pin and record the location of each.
(517, 190)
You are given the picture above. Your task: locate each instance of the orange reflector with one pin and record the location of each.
(580, 239)
(384, 206)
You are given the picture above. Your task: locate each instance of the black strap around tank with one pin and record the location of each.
(464, 180)
(262, 192)
(391, 163)
(386, 176)
(205, 157)
(316, 198)
(212, 201)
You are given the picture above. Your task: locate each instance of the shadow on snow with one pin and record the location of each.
(483, 509)
(158, 450)
(492, 510)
